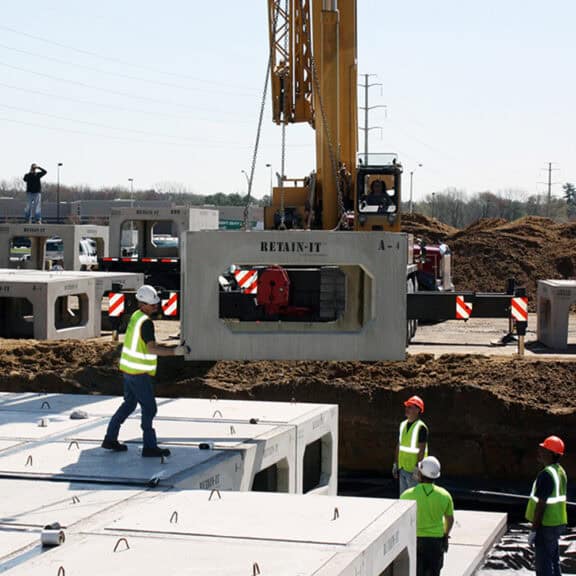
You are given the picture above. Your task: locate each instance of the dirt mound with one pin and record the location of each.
(490, 412)
(428, 229)
(488, 252)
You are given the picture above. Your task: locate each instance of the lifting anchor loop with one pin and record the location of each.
(215, 491)
(255, 569)
(120, 540)
(174, 517)
(336, 514)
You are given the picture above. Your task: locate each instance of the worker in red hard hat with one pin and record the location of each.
(546, 507)
(412, 444)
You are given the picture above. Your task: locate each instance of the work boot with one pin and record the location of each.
(156, 452)
(114, 445)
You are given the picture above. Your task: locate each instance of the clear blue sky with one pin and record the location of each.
(480, 93)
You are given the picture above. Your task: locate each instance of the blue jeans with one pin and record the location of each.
(33, 207)
(406, 480)
(138, 389)
(547, 561)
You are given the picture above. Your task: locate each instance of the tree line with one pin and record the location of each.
(163, 192)
(451, 206)
(458, 209)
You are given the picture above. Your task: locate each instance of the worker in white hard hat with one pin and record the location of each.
(434, 518)
(138, 362)
(412, 444)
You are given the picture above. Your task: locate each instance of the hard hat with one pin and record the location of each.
(415, 401)
(430, 467)
(147, 295)
(554, 444)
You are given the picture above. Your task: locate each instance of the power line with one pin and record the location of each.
(92, 87)
(119, 75)
(122, 108)
(109, 58)
(203, 144)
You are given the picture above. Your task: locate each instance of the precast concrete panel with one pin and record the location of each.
(261, 446)
(373, 326)
(93, 555)
(27, 504)
(237, 410)
(34, 425)
(86, 461)
(62, 404)
(280, 517)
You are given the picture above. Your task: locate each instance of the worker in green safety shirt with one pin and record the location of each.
(412, 444)
(434, 518)
(546, 508)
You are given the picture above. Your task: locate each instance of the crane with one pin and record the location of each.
(313, 46)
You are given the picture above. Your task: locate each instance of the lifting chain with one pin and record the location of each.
(342, 223)
(257, 143)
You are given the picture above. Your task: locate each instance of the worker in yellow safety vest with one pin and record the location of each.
(546, 507)
(434, 518)
(138, 362)
(412, 444)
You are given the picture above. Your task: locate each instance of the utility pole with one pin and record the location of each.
(549, 185)
(549, 189)
(366, 109)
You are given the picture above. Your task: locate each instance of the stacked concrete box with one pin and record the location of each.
(553, 308)
(315, 425)
(182, 219)
(247, 452)
(102, 283)
(42, 291)
(121, 513)
(71, 235)
(372, 327)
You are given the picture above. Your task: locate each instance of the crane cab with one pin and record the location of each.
(378, 193)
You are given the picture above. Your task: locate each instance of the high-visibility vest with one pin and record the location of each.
(408, 445)
(555, 511)
(135, 358)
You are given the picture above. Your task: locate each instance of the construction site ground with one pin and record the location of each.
(487, 409)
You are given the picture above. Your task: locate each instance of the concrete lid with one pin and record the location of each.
(262, 516)
(88, 461)
(93, 555)
(34, 425)
(62, 502)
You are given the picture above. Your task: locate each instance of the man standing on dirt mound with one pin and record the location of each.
(138, 362)
(547, 507)
(412, 444)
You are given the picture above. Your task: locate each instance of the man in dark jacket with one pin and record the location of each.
(33, 191)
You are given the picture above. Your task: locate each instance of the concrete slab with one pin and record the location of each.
(6, 444)
(63, 502)
(13, 542)
(366, 543)
(473, 535)
(93, 555)
(61, 404)
(234, 410)
(88, 462)
(34, 425)
(320, 520)
(184, 432)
